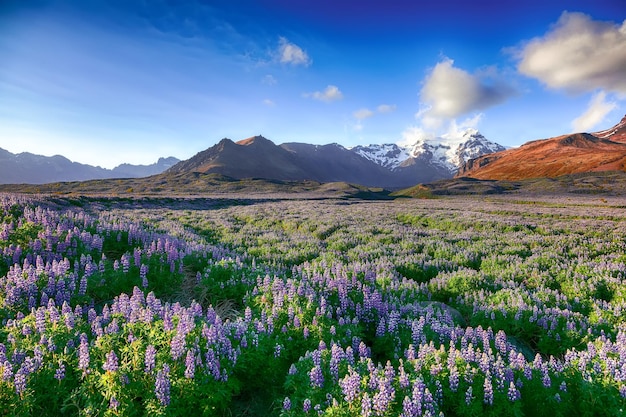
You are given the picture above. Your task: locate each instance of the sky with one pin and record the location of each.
(123, 81)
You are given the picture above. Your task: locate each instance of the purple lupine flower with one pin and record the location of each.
(111, 363)
(82, 289)
(190, 364)
(384, 396)
(177, 346)
(59, 374)
(513, 392)
(417, 396)
(113, 327)
(350, 385)
(454, 378)
(469, 396)
(287, 404)
(334, 368)
(69, 320)
(137, 256)
(366, 405)
(162, 385)
(429, 401)
(149, 359)
(316, 376)
(19, 381)
(306, 405)
(488, 387)
(7, 371)
(316, 356)
(438, 391)
(364, 351)
(293, 370)
(408, 408)
(410, 353)
(501, 342)
(40, 319)
(83, 354)
(528, 372)
(403, 378)
(113, 403)
(143, 274)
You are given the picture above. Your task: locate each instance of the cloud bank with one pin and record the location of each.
(579, 55)
(449, 92)
(290, 53)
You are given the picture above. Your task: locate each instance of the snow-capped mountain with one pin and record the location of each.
(388, 155)
(449, 151)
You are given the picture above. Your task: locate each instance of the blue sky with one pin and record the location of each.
(106, 82)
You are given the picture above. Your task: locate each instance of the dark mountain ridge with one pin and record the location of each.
(258, 157)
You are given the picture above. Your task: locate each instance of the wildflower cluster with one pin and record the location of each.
(301, 308)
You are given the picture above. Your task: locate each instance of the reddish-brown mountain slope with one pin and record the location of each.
(617, 133)
(562, 155)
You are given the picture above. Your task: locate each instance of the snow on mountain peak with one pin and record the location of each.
(449, 151)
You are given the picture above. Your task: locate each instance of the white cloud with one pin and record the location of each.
(386, 108)
(578, 54)
(449, 92)
(269, 103)
(366, 113)
(362, 114)
(331, 93)
(598, 108)
(413, 134)
(290, 53)
(269, 80)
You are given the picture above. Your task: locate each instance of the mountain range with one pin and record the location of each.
(390, 166)
(549, 158)
(29, 168)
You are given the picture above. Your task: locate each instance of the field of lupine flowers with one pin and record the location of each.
(446, 307)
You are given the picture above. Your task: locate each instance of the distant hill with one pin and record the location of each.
(138, 171)
(549, 158)
(30, 168)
